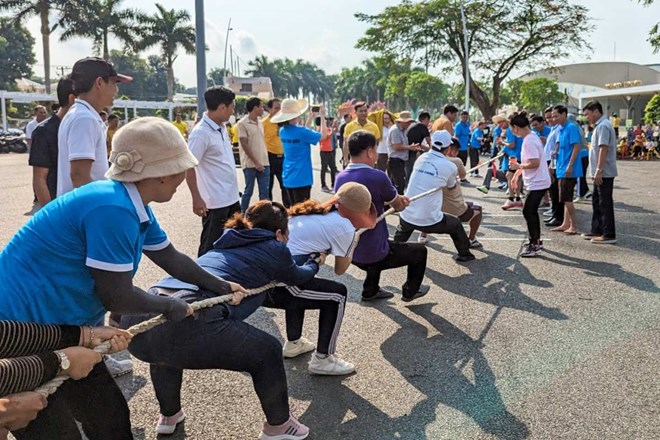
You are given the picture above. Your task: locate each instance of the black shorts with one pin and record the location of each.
(469, 212)
(566, 189)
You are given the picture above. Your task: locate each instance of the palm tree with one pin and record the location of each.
(23, 9)
(168, 29)
(97, 20)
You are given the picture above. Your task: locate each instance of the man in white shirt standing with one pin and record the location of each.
(254, 156)
(83, 156)
(213, 184)
(40, 115)
(433, 170)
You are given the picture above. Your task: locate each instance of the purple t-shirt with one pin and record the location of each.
(373, 245)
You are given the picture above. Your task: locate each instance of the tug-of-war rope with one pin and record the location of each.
(50, 387)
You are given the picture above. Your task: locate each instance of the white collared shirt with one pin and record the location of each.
(81, 136)
(216, 172)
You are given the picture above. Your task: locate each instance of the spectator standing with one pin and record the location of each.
(418, 134)
(113, 126)
(399, 150)
(327, 151)
(446, 121)
(616, 123)
(181, 126)
(360, 123)
(213, 184)
(462, 132)
(254, 156)
(476, 141)
(275, 150)
(40, 115)
(383, 145)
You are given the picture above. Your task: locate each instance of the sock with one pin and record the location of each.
(517, 198)
(320, 355)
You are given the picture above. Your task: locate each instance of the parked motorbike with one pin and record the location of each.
(13, 141)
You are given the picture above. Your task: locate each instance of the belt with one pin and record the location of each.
(279, 156)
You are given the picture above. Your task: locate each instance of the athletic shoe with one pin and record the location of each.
(553, 222)
(292, 349)
(503, 186)
(474, 244)
(548, 213)
(603, 240)
(381, 294)
(588, 195)
(292, 429)
(325, 189)
(544, 205)
(422, 239)
(589, 235)
(423, 290)
(116, 367)
(464, 258)
(532, 250)
(331, 365)
(167, 425)
(484, 189)
(465, 181)
(508, 205)
(527, 243)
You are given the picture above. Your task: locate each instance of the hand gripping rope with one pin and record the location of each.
(50, 387)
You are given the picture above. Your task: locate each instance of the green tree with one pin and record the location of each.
(16, 53)
(216, 76)
(654, 34)
(652, 110)
(503, 36)
(425, 91)
(510, 92)
(539, 93)
(169, 30)
(98, 20)
(23, 9)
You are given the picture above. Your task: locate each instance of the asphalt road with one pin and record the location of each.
(565, 346)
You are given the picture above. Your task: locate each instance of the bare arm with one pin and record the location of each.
(39, 183)
(342, 264)
(81, 172)
(199, 206)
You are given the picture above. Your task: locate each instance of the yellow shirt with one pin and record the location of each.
(182, 127)
(272, 136)
(233, 134)
(109, 134)
(616, 122)
(443, 123)
(354, 125)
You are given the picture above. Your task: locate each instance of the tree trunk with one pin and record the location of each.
(106, 51)
(45, 40)
(170, 81)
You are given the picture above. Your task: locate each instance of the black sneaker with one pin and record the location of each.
(423, 290)
(381, 294)
(532, 250)
(463, 258)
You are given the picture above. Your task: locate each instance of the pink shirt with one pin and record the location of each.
(538, 178)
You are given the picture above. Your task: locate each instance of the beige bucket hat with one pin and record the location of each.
(291, 108)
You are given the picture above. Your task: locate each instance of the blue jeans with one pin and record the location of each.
(263, 180)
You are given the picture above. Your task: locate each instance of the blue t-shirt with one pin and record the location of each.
(545, 133)
(511, 152)
(373, 245)
(569, 135)
(462, 132)
(44, 269)
(297, 142)
(474, 140)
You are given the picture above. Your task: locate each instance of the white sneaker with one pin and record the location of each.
(116, 367)
(292, 349)
(332, 365)
(167, 425)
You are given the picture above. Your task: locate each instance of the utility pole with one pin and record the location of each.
(467, 64)
(200, 48)
(226, 44)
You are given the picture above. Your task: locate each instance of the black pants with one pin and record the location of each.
(95, 401)
(448, 225)
(557, 207)
(327, 296)
(474, 158)
(531, 214)
(463, 155)
(211, 341)
(328, 162)
(397, 171)
(276, 161)
(501, 176)
(584, 187)
(213, 225)
(412, 255)
(299, 195)
(410, 164)
(602, 219)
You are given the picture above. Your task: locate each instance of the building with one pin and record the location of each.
(261, 87)
(621, 87)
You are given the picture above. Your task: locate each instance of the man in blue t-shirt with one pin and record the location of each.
(476, 141)
(568, 167)
(375, 252)
(512, 149)
(462, 132)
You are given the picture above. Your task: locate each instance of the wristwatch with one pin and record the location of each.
(64, 361)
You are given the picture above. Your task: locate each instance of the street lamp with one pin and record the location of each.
(200, 49)
(229, 28)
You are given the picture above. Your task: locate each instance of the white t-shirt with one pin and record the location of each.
(29, 128)
(81, 136)
(431, 170)
(216, 172)
(383, 147)
(538, 178)
(330, 233)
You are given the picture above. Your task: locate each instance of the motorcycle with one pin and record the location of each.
(13, 141)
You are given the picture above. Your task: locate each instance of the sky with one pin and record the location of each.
(325, 33)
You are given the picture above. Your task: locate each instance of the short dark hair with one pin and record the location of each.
(560, 108)
(271, 102)
(520, 120)
(593, 105)
(359, 104)
(539, 119)
(547, 110)
(455, 143)
(216, 95)
(252, 103)
(103, 113)
(55, 107)
(464, 112)
(360, 141)
(64, 89)
(449, 109)
(112, 117)
(424, 115)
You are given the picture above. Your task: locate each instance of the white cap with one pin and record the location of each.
(441, 139)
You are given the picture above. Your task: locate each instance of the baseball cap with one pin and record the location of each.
(354, 200)
(94, 67)
(441, 139)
